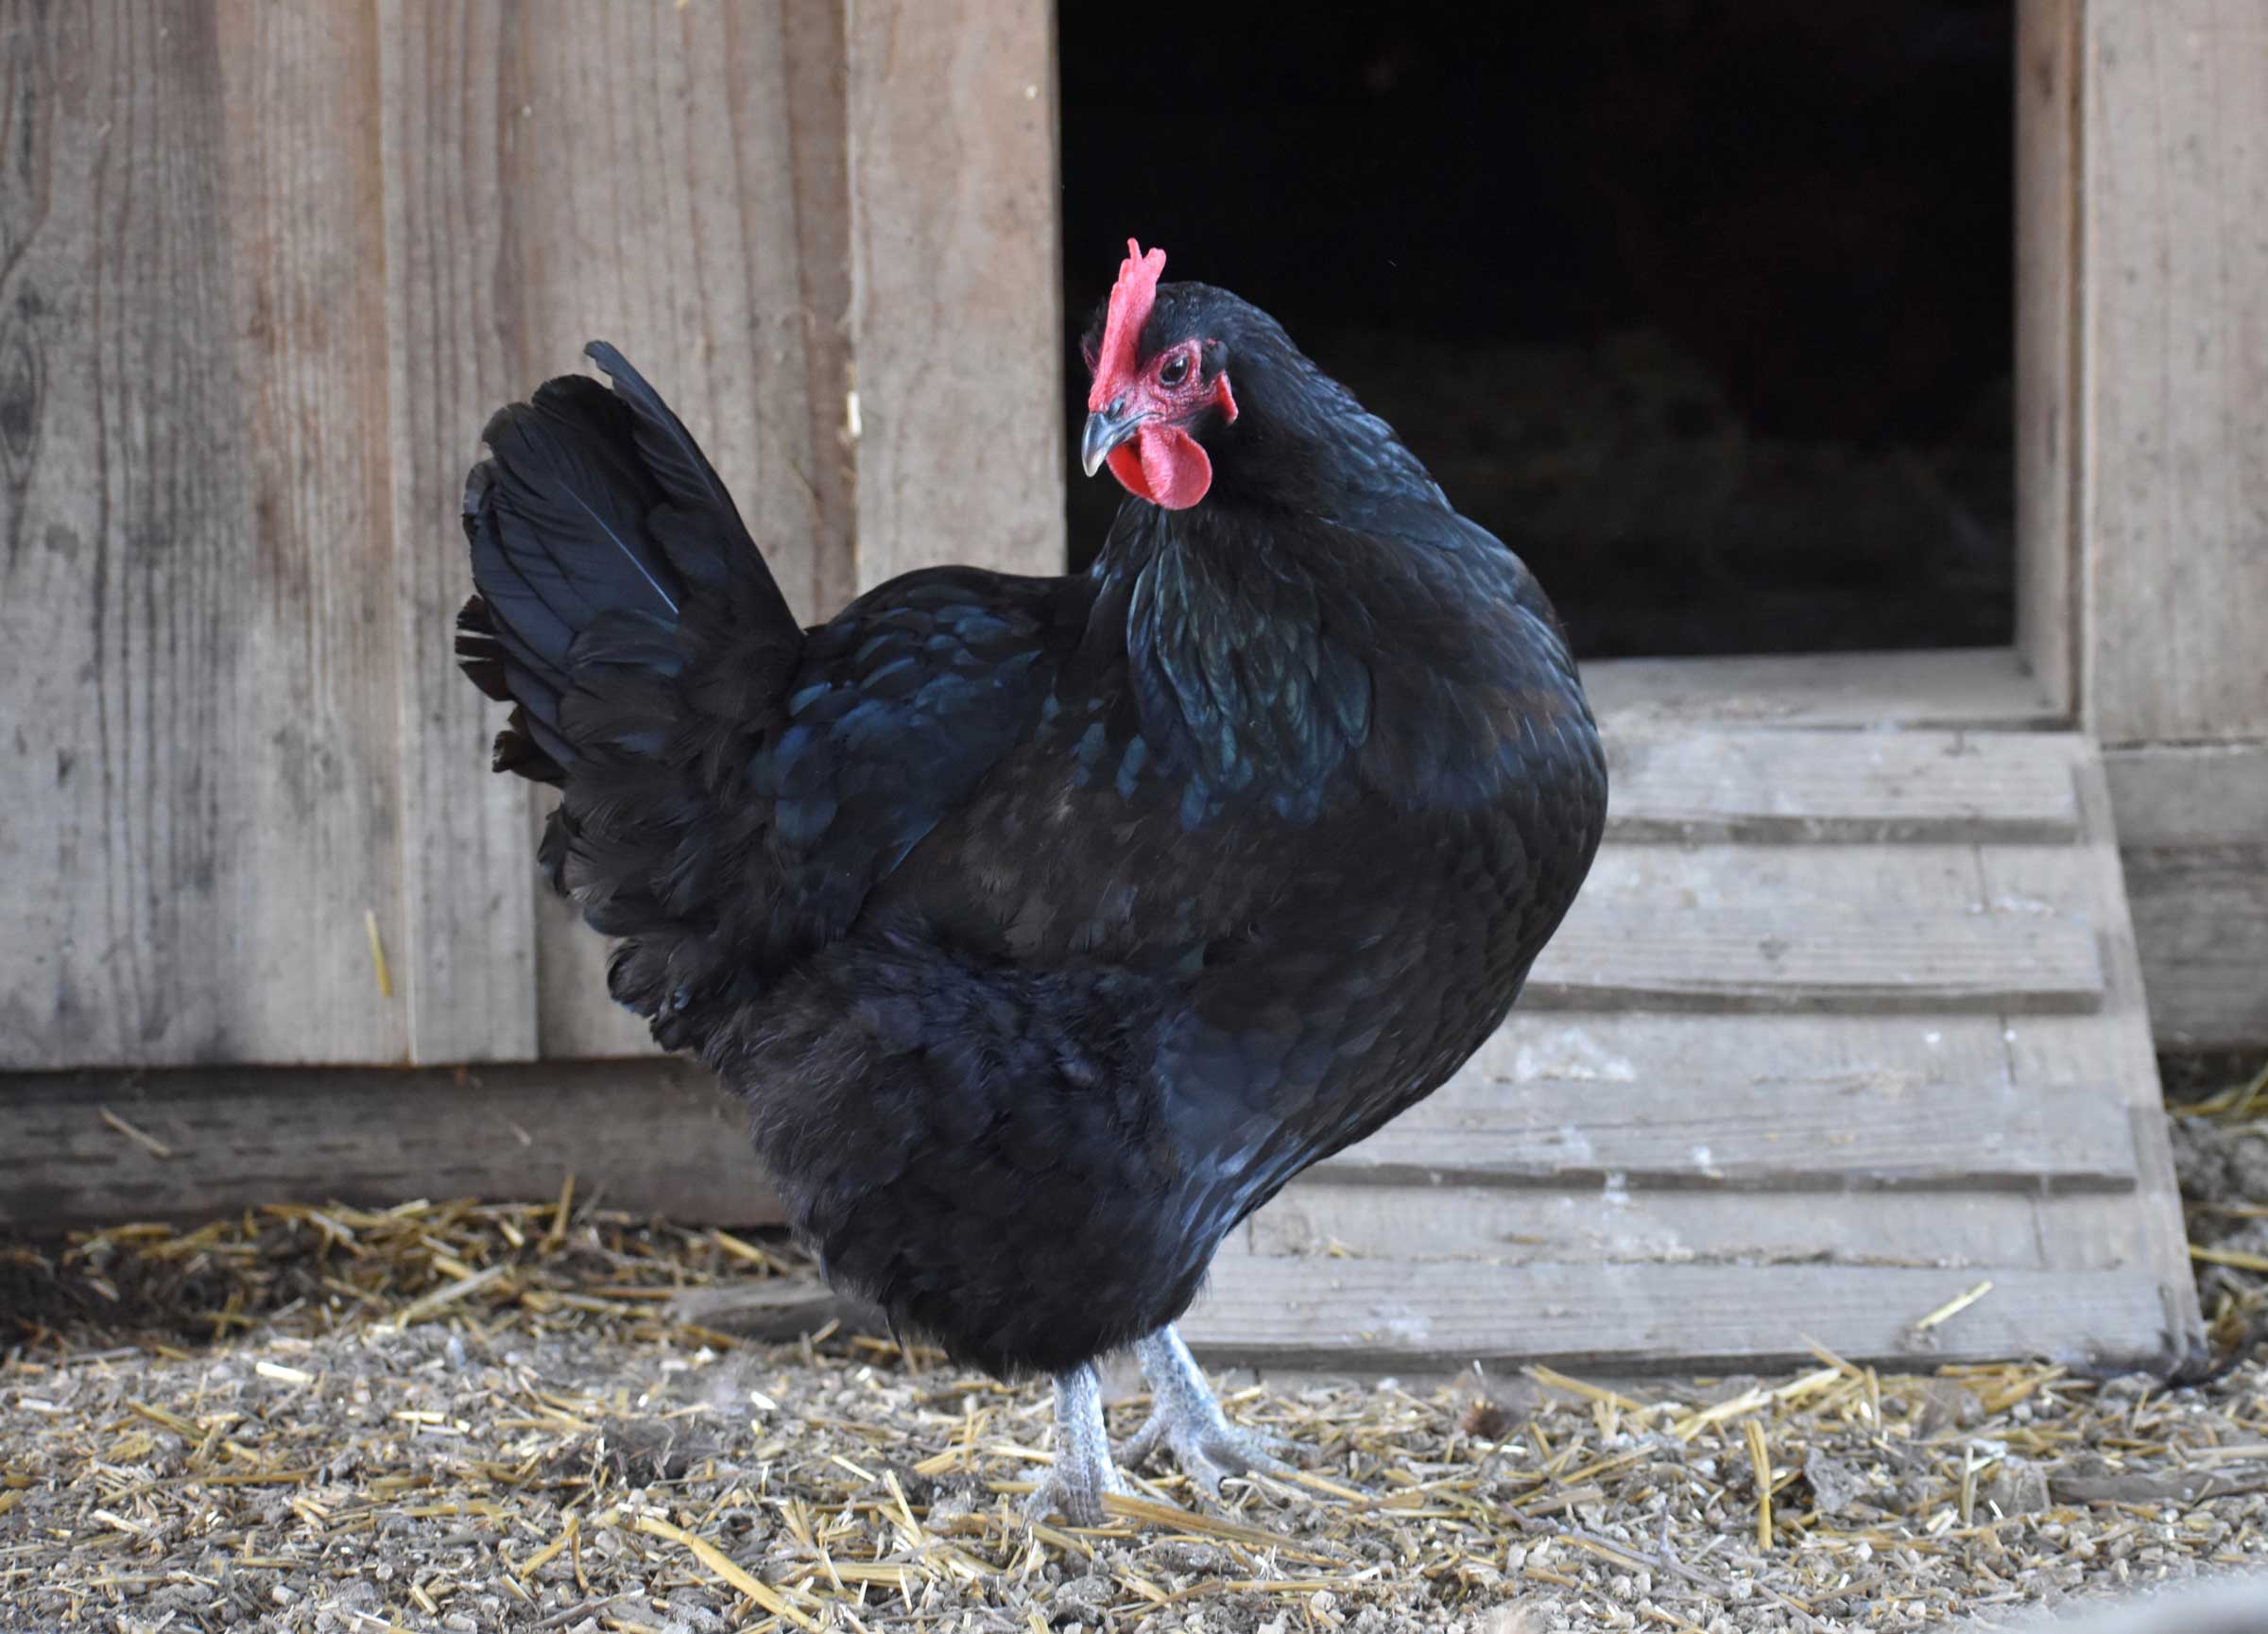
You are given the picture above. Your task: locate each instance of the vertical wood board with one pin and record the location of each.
(2047, 418)
(2176, 368)
(661, 177)
(197, 631)
(956, 303)
(467, 964)
(2193, 839)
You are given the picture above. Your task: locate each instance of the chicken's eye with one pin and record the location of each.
(1175, 370)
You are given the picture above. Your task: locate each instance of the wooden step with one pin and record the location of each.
(1450, 1314)
(1607, 957)
(1904, 787)
(1328, 1213)
(1776, 1134)
(1818, 1101)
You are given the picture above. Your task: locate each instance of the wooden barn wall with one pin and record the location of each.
(198, 635)
(263, 270)
(2175, 344)
(2170, 372)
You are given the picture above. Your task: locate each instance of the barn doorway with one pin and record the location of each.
(1703, 309)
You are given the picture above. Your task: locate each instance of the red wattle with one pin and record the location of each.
(1164, 465)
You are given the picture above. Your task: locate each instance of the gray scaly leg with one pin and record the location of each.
(1082, 1471)
(1186, 1416)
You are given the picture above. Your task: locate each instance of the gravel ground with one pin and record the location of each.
(458, 1418)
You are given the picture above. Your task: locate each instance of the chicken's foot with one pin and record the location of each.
(1082, 1472)
(1186, 1416)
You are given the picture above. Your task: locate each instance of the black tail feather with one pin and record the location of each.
(593, 523)
(624, 612)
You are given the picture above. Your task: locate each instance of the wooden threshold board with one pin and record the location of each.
(650, 1135)
(1446, 1315)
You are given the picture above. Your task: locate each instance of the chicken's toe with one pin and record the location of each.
(1209, 1452)
(1188, 1421)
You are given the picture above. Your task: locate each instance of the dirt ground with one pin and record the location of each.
(464, 1417)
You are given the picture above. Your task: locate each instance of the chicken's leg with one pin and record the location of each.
(1082, 1471)
(1186, 1416)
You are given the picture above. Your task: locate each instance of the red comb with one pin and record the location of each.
(1130, 301)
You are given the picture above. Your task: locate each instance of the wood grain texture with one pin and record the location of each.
(1789, 928)
(643, 1135)
(1690, 1132)
(197, 635)
(1895, 1057)
(2201, 922)
(1796, 881)
(2111, 1046)
(1767, 786)
(2193, 840)
(663, 178)
(2169, 795)
(2049, 424)
(1984, 1231)
(466, 966)
(1450, 1314)
(958, 308)
(2176, 368)
(1981, 688)
(1755, 960)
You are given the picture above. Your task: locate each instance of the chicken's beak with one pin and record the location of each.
(1106, 429)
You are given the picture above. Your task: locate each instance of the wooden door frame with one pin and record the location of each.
(2050, 424)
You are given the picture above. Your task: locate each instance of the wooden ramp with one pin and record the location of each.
(1846, 1028)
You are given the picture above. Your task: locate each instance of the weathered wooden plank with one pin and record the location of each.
(2112, 1045)
(1607, 1070)
(2192, 826)
(1619, 1061)
(1876, 786)
(1448, 1313)
(815, 67)
(1984, 1231)
(2048, 422)
(525, 150)
(197, 636)
(957, 308)
(466, 962)
(1901, 928)
(2167, 796)
(1795, 882)
(1980, 688)
(1693, 1132)
(1694, 958)
(2176, 368)
(644, 1135)
(2200, 921)
(1612, 1055)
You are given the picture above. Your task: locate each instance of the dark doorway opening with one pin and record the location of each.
(1704, 308)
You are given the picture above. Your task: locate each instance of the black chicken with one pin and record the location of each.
(1049, 926)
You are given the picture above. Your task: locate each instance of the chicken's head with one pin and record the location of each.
(1158, 388)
